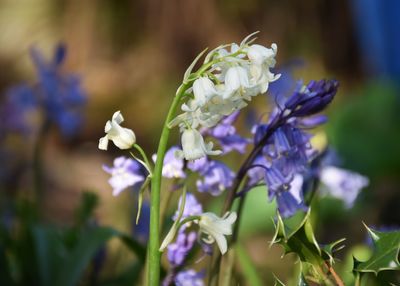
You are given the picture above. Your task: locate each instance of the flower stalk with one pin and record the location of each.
(154, 256)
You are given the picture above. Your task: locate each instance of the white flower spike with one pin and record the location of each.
(215, 228)
(122, 137)
(194, 147)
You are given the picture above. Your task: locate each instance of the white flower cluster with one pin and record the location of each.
(233, 78)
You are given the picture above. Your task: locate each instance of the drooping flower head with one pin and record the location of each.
(233, 78)
(286, 149)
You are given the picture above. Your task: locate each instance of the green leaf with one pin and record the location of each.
(248, 268)
(385, 254)
(80, 256)
(314, 258)
(89, 202)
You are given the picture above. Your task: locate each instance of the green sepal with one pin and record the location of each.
(187, 77)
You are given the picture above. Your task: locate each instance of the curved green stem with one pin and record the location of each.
(144, 156)
(154, 239)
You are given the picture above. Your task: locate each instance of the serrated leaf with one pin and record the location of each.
(314, 258)
(385, 254)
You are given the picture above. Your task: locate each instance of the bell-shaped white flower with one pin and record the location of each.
(122, 137)
(237, 83)
(215, 228)
(260, 55)
(203, 90)
(194, 147)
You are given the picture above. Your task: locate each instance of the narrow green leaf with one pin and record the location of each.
(249, 270)
(190, 68)
(80, 256)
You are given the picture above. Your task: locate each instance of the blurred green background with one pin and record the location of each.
(131, 56)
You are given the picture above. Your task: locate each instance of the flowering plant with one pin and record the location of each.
(280, 155)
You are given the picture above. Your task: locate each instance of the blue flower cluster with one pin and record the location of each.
(58, 95)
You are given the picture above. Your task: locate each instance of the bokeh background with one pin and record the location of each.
(131, 56)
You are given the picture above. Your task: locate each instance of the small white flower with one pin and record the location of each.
(215, 228)
(194, 147)
(237, 83)
(260, 55)
(122, 137)
(343, 184)
(203, 90)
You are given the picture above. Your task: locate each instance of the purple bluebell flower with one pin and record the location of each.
(290, 200)
(178, 250)
(18, 104)
(192, 207)
(343, 184)
(60, 95)
(225, 133)
(189, 278)
(215, 176)
(312, 98)
(125, 173)
(173, 166)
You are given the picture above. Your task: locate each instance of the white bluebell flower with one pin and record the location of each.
(123, 138)
(213, 229)
(193, 146)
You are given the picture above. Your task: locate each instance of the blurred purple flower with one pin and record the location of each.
(60, 95)
(125, 173)
(192, 207)
(226, 135)
(189, 278)
(178, 250)
(343, 184)
(173, 166)
(141, 230)
(215, 176)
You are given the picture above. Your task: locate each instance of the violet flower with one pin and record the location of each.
(178, 250)
(215, 176)
(60, 95)
(189, 278)
(125, 173)
(192, 207)
(225, 133)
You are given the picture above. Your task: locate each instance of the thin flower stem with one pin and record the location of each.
(144, 156)
(154, 239)
(335, 276)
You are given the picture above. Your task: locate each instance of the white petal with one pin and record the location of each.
(103, 143)
(221, 242)
(117, 117)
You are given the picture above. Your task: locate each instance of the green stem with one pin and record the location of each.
(154, 239)
(143, 154)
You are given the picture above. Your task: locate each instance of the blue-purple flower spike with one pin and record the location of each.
(313, 98)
